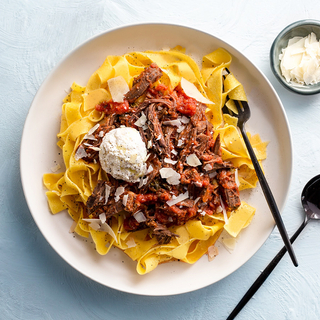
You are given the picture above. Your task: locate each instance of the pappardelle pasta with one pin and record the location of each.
(152, 164)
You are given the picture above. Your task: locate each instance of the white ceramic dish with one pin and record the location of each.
(39, 151)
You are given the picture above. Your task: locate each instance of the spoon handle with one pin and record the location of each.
(264, 275)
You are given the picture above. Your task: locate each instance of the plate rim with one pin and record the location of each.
(83, 44)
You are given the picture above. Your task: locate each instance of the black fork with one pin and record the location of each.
(243, 116)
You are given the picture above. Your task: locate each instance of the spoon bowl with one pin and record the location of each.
(310, 198)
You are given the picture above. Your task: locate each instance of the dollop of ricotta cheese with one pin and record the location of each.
(123, 154)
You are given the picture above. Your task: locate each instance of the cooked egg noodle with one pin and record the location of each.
(70, 189)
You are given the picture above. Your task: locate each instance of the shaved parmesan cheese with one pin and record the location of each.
(98, 225)
(89, 137)
(229, 244)
(228, 241)
(212, 174)
(140, 182)
(185, 120)
(236, 178)
(56, 167)
(73, 226)
(130, 243)
(80, 153)
(193, 160)
(197, 199)
(168, 160)
(207, 167)
(212, 252)
(179, 198)
(180, 129)
(300, 60)
(174, 179)
(91, 220)
(118, 87)
(149, 144)
(192, 91)
(224, 211)
(150, 169)
(174, 152)
(125, 199)
(141, 121)
(118, 193)
(106, 228)
(107, 193)
(95, 225)
(95, 148)
(175, 122)
(172, 176)
(166, 172)
(93, 129)
(180, 143)
(139, 216)
(102, 217)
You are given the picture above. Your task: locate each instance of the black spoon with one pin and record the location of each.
(310, 198)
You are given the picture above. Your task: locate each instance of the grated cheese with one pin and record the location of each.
(118, 87)
(207, 167)
(80, 153)
(179, 198)
(300, 60)
(107, 193)
(193, 160)
(192, 91)
(172, 176)
(124, 200)
(139, 216)
(168, 160)
(141, 121)
(212, 252)
(56, 168)
(118, 193)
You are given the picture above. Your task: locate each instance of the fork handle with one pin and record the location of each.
(269, 197)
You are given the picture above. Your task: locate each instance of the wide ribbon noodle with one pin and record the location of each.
(71, 188)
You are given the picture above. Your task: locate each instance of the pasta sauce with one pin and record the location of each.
(188, 191)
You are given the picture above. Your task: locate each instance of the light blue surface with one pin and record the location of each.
(35, 283)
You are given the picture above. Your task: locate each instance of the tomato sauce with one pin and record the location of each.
(111, 107)
(185, 104)
(147, 198)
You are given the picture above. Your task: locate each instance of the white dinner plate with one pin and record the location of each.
(39, 154)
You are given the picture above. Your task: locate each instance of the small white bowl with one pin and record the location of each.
(297, 29)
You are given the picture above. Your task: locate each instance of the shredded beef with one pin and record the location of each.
(168, 145)
(162, 234)
(156, 128)
(230, 191)
(143, 82)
